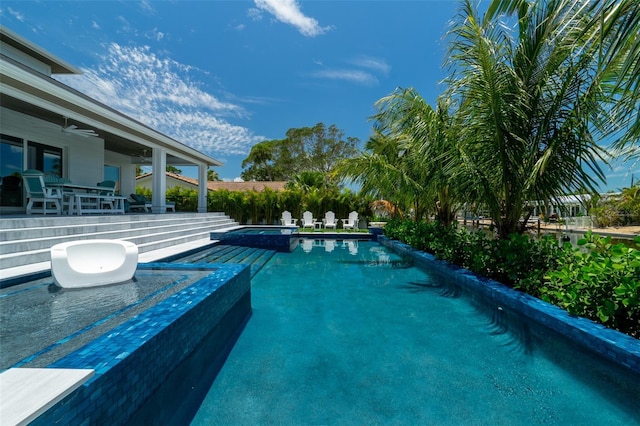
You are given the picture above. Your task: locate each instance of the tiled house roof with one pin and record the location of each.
(229, 186)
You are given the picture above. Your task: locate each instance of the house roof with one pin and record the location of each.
(247, 186)
(229, 186)
(57, 65)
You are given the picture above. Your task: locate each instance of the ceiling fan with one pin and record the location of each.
(142, 158)
(74, 130)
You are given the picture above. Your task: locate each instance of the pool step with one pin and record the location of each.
(255, 257)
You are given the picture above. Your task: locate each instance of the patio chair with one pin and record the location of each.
(329, 220)
(108, 191)
(308, 221)
(287, 220)
(37, 192)
(351, 222)
(68, 195)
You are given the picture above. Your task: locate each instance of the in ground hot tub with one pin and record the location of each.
(279, 238)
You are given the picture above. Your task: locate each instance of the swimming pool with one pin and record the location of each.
(356, 334)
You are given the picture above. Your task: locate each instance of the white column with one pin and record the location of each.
(202, 188)
(159, 184)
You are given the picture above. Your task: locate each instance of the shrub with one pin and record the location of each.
(519, 259)
(598, 280)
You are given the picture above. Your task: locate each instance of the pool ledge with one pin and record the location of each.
(612, 345)
(29, 392)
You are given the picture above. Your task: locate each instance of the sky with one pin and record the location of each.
(221, 76)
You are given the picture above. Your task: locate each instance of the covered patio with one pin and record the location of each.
(48, 126)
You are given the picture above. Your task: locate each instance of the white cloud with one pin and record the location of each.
(355, 76)
(289, 12)
(254, 14)
(364, 70)
(155, 35)
(159, 92)
(16, 14)
(375, 64)
(146, 6)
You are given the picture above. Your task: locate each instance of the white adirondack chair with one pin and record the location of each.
(308, 221)
(351, 222)
(329, 220)
(287, 220)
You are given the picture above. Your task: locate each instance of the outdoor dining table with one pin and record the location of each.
(79, 193)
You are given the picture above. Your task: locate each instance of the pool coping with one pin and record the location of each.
(29, 392)
(613, 345)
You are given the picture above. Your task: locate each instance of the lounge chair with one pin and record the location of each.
(38, 192)
(141, 202)
(308, 221)
(89, 263)
(329, 220)
(287, 220)
(138, 202)
(351, 222)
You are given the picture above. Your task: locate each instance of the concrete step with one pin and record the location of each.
(31, 243)
(44, 238)
(20, 222)
(23, 223)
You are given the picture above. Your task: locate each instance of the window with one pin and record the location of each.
(11, 166)
(112, 173)
(47, 159)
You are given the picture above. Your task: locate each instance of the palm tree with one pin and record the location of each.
(427, 136)
(617, 24)
(387, 170)
(532, 97)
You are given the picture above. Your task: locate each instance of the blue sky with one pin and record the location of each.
(221, 76)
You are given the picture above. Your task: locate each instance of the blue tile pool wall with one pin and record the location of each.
(614, 346)
(194, 375)
(133, 360)
(286, 242)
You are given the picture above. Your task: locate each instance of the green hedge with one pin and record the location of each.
(266, 207)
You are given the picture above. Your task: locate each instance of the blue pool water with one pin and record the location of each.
(350, 333)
